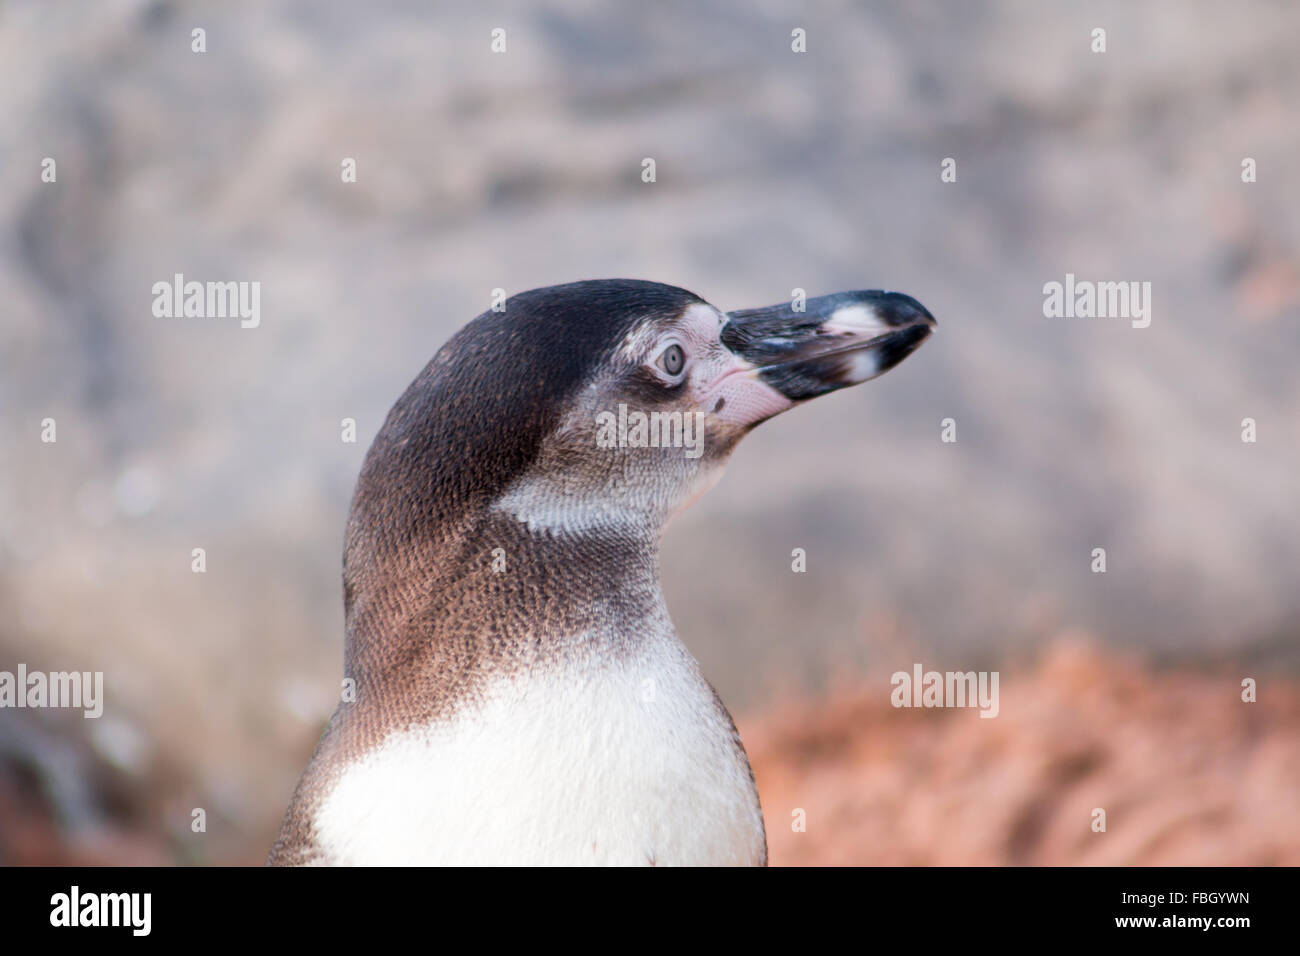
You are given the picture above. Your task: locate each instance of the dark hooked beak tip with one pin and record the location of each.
(898, 311)
(833, 342)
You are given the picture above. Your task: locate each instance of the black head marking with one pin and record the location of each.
(476, 416)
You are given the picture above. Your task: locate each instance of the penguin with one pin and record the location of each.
(519, 693)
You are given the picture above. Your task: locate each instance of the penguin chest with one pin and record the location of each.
(632, 762)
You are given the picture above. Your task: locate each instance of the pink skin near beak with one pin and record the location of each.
(739, 397)
(731, 390)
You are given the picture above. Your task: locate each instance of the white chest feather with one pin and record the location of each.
(604, 763)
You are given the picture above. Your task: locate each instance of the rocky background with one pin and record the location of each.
(775, 170)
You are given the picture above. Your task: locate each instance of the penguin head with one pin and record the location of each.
(676, 383)
(608, 404)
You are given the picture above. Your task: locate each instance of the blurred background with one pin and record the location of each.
(775, 170)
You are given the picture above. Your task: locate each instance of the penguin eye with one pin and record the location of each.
(672, 360)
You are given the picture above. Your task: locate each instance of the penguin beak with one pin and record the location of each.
(834, 342)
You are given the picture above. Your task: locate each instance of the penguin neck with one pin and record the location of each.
(573, 583)
(506, 592)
